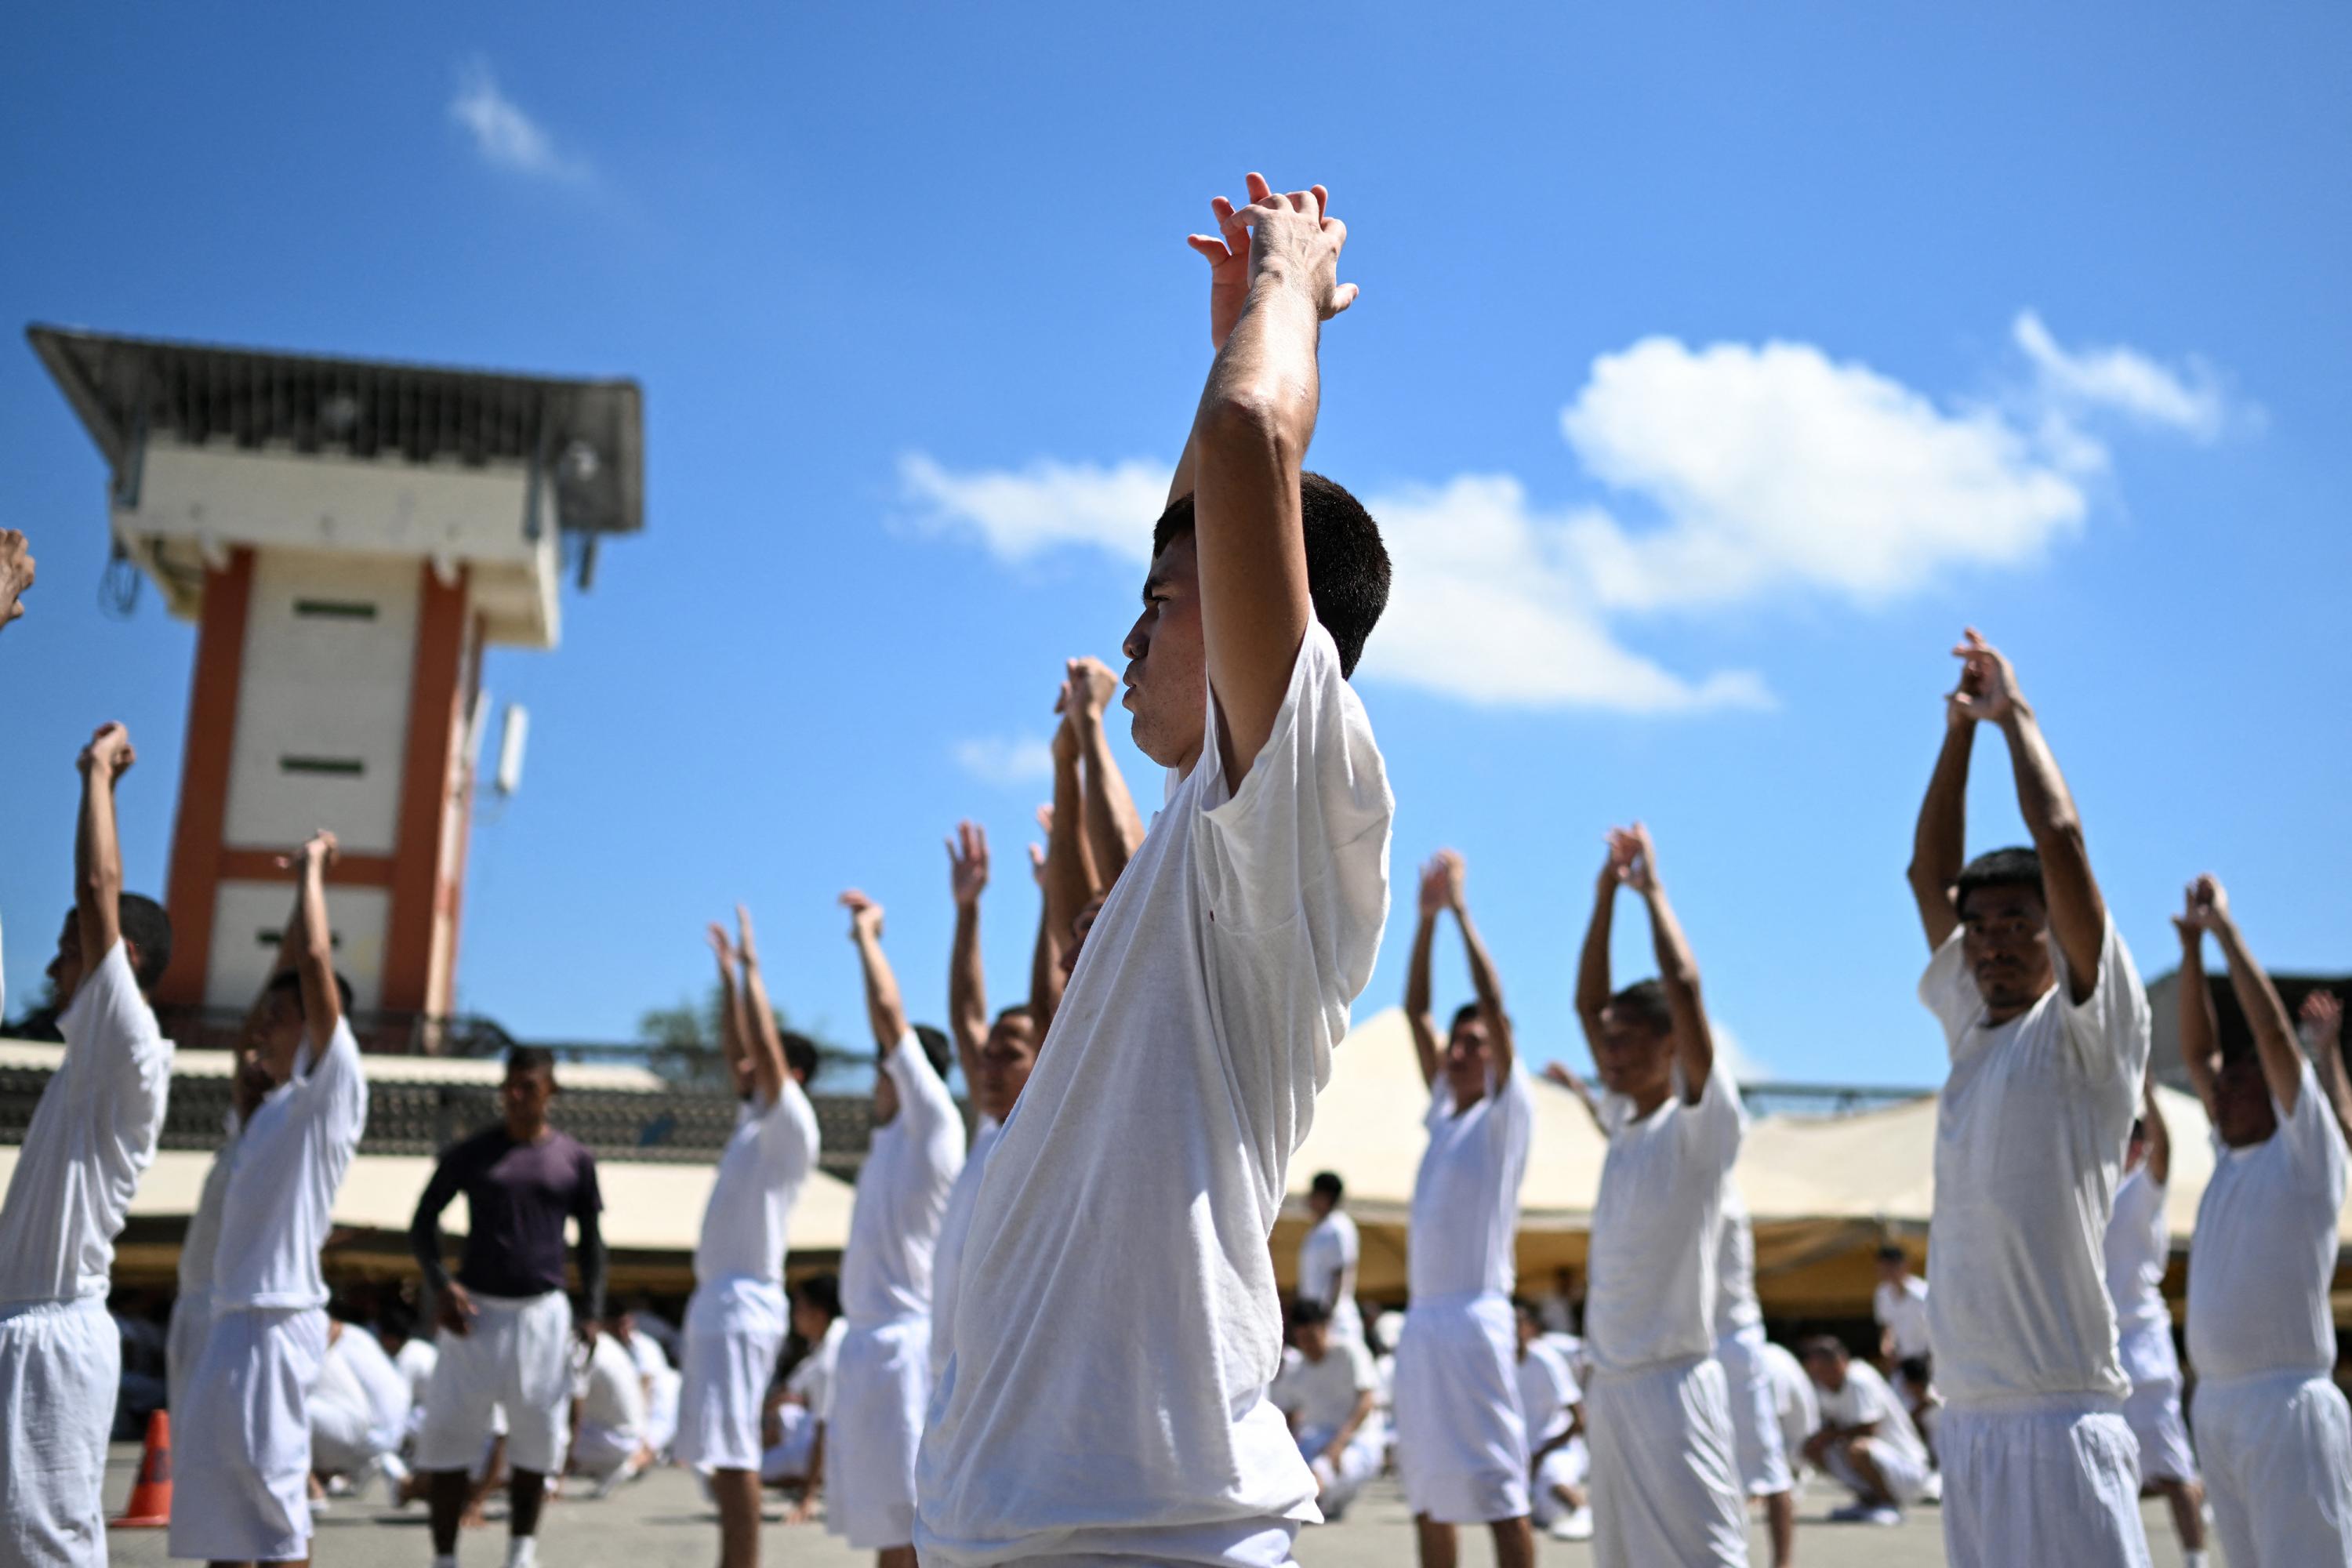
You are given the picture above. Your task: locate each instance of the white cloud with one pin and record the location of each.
(503, 135)
(1735, 474)
(2123, 381)
(1006, 760)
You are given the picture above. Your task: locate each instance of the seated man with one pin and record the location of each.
(1867, 1439)
(1551, 1402)
(608, 1418)
(796, 1410)
(1326, 1391)
(663, 1382)
(359, 1411)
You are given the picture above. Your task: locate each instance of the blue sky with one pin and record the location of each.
(1723, 361)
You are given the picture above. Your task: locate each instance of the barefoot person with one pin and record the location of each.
(505, 1327)
(242, 1490)
(91, 1136)
(1656, 1411)
(882, 1372)
(1128, 1200)
(1461, 1438)
(2047, 1028)
(735, 1320)
(2138, 1247)
(2276, 1434)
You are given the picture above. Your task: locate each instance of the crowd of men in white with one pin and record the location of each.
(1065, 1340)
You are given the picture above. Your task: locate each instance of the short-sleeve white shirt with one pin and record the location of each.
(902, 1195)
(1651, 1296)
(2265, 1247)
(611, 1389)
(812, 1378)
(198, 1248)
(1327, 1271)
(746, 1222)
(1135, 1185)
(1901, 1308)
(1547, 1390)
(1323, 1394)
(1866, 1398)
(92, 1135)
(2138, 1245)
(1464, 1232)
(287, 1166)
(955, 1229)
(2030, 1133)
(1736, 1307)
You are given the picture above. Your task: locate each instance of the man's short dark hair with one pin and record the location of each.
(800, 1054)
(1308, 1312)
(936, 1048)
(292, 980)
(1890, 1253)
(2015, 866)
(1326, 1184)
(1527, 1309)
(148, 929)
(822, 1291)
(1813, 1345)
(1462, 1015)
(1347, 565)
(1644, 1002)
(531, 1059)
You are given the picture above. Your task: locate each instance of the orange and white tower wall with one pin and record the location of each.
(349, 537)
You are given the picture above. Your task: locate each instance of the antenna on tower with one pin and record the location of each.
(510, 744)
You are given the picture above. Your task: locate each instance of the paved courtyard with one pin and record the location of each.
(662, 1521)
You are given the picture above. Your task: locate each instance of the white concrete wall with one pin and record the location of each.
(242, 954)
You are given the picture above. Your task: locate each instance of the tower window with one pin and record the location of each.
(330, 767)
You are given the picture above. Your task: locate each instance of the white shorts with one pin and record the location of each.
(1338, 1478)
(787, 1459)
(1904, 1473)
(517, 1354)
(2278, 1469)
(1569, 1464)
(2153, 1414)
(1664, 1489)
(241, 1490)
(2049, 1482)
(881, 1385)
(599, 1450)
(734, 1330)
(1756, 1455)
(1462, 1444)
(60, 1363)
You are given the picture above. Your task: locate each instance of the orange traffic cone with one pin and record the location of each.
(150, 1499)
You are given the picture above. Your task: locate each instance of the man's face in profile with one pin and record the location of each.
(1167, 671)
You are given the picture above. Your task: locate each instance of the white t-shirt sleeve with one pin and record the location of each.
(1361, 1368)
(923, 1097)
(1513, 1124)
(1948, 991)
(2315, 1144)
(1712, 1129)
(111, 1029)
(332, 1083)
(2109, 1028)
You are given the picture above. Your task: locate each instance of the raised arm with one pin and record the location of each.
(2274, 1042)
(97, 854)
(15, 573)
(1677, 967)
(967, 977)
(884, 1010)
(1070, 873)
(2078, 913)
(733, 1018)
(755, 1019)
(1045, 953)
(2322, 1032)
(2159, 1136)
(308, 944)
(1435, 878)
(2200, 1031)
(1568, 1079)
(1502, 1049)
(1940, 843)
(1113, 829)
(1250, 435)
(1592, 983)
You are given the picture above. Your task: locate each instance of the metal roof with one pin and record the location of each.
(589, 433)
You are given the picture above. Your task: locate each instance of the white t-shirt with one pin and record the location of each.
(202, 1243)
(416, 1359)
(1327, 1271)
(1464, 1231)
(290, 1162)
(760, 1173)
(902, 1195)
(2265, 1247)
(1323, 1394)
(1864, 1399)
(1656, 1226)
(611, 1390)
(1795, 1400)
(91, 1136)
(1547, 1389)
(2137, 1247)
(947, 1262)
(383, 1383)
(1736, 1307)
(812, 1378)
(2030, 1135)
(1118, 1321)
(1902, 1311)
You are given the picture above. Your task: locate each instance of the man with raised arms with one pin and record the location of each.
(882, 1373)
(2047, 1028)
(242, 1493)
(2274, 1429)
(735, 1320)
(1118, 1321)
(1656, 1410)
(2138, 1247)
(1462, 1439)
(91, 1137)
(505, 1327)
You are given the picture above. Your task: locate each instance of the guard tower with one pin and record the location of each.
(348, 535)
